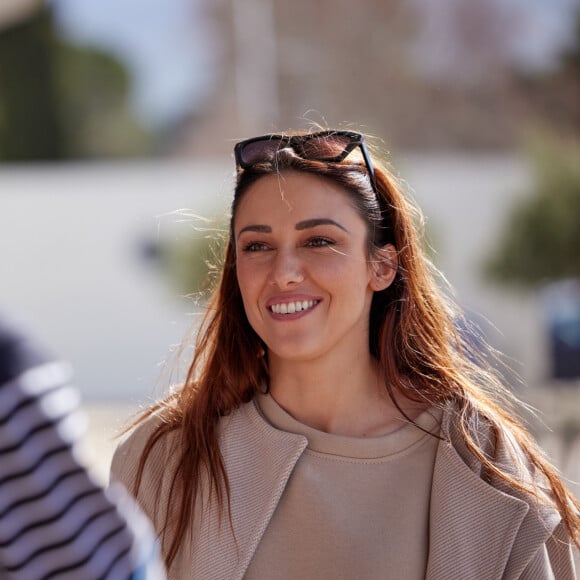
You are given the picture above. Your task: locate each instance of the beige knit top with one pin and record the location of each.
(353, 507)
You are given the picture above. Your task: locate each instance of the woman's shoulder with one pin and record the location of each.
(542, 540)
(497, 442)
(142, 460)
(151, 436)
(158, 436)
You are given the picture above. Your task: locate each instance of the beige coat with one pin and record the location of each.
(477, 531)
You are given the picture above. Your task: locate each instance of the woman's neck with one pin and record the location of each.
(341, 397)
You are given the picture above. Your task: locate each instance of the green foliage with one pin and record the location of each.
(94, 104)
(29, 123)
(541, 240)
(193, 258)
(571, 56)
(59, 100)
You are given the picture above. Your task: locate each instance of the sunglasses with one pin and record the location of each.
(327, 146)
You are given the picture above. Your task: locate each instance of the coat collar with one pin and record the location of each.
(477, 531)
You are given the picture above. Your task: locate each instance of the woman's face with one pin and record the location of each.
(302, 267)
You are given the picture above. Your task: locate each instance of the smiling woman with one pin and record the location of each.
(333, 423)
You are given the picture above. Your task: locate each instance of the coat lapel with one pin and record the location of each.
(478, 531)
(472, 525)
(262, 459)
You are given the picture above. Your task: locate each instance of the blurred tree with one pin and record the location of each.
(29, 120)
(193, 263)
(553, 98)
(571, 56)
(542, 236)
(540, 243)
(190, 257)
(94, 112)
(62, 101)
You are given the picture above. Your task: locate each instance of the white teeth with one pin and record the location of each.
(292, 307)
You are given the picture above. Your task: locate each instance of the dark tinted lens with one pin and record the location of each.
(259, 151)
(321, 147)
(327, 147)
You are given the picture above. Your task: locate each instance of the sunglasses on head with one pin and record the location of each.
(328, 146)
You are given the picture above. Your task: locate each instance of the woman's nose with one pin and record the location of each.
(287, 269)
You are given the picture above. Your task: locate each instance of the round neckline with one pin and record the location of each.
(381, 446)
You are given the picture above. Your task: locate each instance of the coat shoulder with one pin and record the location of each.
(498, 444)
(150, 483)
(540, 541)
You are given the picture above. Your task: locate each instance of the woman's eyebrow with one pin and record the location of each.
(303, 225)
(256, 228)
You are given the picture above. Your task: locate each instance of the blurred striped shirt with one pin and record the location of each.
(56, 521)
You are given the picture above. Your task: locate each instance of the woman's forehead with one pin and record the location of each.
(293, 190)
(294, 195)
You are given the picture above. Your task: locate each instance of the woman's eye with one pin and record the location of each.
(319, 242)
(255, 247)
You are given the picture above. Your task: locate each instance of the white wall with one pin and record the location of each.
(466, 200)
(70, 268)
(71, 264)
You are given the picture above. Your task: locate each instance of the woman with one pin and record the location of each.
(333, 423)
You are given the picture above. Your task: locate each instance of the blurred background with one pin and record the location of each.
(117, 121)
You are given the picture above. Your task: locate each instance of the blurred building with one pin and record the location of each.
(417, 77)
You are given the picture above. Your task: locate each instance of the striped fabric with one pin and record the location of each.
(56, 521)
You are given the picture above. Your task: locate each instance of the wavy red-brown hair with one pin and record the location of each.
(413, 334)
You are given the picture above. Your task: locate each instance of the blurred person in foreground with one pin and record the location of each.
(56, 521)
(334, 422)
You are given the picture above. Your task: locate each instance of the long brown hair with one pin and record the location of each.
(414, 334)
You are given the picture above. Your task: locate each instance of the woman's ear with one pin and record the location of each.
(384, 265)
